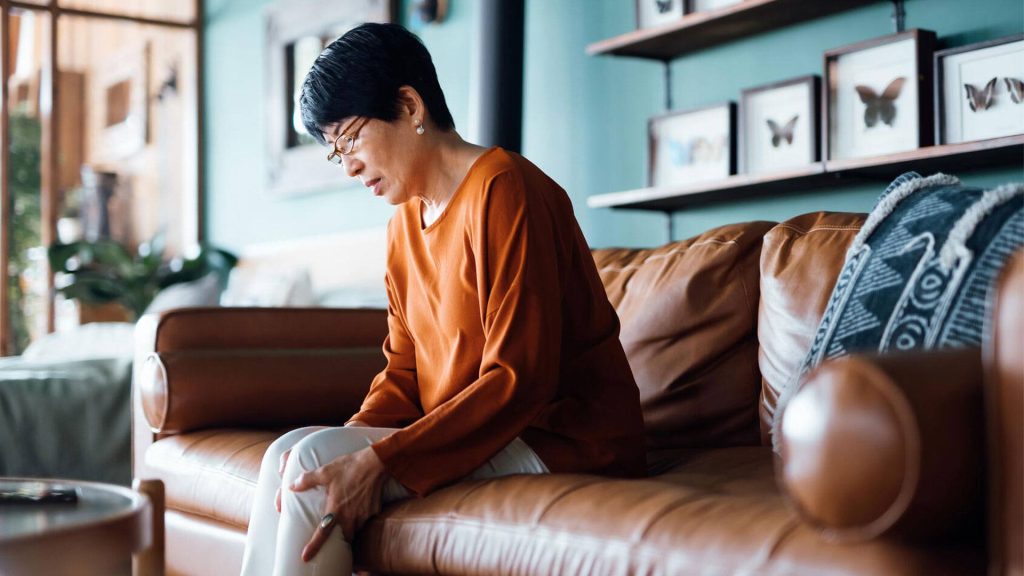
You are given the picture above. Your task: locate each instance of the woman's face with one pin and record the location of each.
(386, 156)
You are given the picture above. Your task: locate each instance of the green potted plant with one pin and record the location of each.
(104, 271)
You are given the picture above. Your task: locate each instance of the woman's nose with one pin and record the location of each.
(352, 165)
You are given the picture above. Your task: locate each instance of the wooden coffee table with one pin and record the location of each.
(98, 535)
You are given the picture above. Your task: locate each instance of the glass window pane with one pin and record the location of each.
(176, 10)
(128, 143)
(27, 280)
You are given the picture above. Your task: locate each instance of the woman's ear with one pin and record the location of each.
(410, 103)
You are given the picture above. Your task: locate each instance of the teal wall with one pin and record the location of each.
(584, 117)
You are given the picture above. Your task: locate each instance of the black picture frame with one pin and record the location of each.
(924, 48)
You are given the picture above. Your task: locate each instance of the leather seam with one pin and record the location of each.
(785, 532)
(208, 516)
(675, 506)
(818, 228)
(562, 495)
(454, 509)
(593, 542)
(670, 253)
(207, 468)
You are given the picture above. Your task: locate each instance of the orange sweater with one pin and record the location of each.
(499, 327)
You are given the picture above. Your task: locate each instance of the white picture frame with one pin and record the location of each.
(692, 146)
(708, 5)
(779, 126)
(993, 106)
(878, 96)
(302, 167)
(655, 13)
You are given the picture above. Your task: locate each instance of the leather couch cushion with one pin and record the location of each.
(888, 445)
(713, 511)
(211, 473)
(800, 262)
(716, 512)
(688, 311)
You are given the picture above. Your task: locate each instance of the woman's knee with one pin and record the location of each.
(277, 448)
(324, 445)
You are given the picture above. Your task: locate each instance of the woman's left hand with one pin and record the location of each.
(353, 484)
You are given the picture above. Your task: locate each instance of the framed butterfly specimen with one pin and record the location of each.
(691, 146)
(653, 13)
(878, 96)
(979, 91)
(778, 125)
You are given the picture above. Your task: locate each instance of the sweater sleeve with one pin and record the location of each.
(393, 399)
(513, 242)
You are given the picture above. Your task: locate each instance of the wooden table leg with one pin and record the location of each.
(150, 562)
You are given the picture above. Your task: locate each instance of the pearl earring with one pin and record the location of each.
(419, 128)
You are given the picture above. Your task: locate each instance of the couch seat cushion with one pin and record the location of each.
(711, 512)
(211, 473)
(714, 512)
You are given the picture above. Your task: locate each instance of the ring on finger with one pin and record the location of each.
(327, 521)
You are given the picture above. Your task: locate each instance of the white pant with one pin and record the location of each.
(275, 541)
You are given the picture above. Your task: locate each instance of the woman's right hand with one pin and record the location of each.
(280, 473)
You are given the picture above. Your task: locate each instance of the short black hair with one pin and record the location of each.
(359, 74)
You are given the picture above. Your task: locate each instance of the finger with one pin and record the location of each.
(319, 536)
(284, 461)
(306, 480)
(277, 500)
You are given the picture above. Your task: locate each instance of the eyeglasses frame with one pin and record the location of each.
(350, 140)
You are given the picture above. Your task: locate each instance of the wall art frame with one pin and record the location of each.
(122, 92)
(294, 163)
(979, 90)
(877, 96)
(656, 13)
(694, 145)
(779, 125)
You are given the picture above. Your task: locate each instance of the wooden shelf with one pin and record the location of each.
(954, 158)
(704, 29)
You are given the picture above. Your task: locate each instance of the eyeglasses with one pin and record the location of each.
(345, 143)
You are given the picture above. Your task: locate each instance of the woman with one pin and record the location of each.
(502, 354)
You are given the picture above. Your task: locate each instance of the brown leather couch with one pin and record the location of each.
(713, 326)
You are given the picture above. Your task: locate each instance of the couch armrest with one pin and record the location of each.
(1004, 396)
(887, 444)
(219, 367)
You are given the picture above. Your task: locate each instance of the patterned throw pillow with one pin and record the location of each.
(918, 273)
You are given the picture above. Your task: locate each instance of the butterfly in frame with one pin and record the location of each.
(663, 6)
(680, 152)
(1016, 89)
(780, 133)
(980, 100)
(880, 106)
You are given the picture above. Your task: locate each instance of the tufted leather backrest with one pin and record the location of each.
(688, 312)
(800, 262)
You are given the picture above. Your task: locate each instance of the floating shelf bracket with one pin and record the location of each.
(668, 85)
(899, 16)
